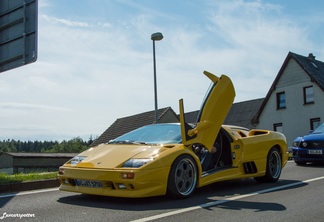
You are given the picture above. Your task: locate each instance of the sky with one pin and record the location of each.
(95, 59)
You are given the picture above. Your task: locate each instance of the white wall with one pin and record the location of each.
(295, 118)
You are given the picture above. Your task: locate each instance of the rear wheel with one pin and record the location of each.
(273, 169)
(183, 177)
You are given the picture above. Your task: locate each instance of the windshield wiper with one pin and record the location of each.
(126, 142)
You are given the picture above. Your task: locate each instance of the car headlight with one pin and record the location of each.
(77, 159)
(136, 163)
(296, 144)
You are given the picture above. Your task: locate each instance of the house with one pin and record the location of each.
(294, 104)
(13, 163)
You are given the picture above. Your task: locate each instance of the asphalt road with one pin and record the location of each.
(297, 196)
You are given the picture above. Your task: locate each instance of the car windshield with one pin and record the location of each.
(152, 134)
(319, 129)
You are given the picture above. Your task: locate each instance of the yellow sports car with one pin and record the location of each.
(176, 159)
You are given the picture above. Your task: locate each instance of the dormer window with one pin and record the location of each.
(314, 65)
(308, 95)
(281, 100)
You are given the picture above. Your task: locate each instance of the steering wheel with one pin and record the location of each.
(202, 154)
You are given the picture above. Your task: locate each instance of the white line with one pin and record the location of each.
(214, 203)
(28, 192)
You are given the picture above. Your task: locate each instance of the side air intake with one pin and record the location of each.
(250, 167)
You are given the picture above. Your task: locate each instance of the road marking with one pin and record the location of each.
(214, 203)
(28, 192)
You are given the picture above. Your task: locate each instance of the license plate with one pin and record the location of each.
(89, 183)
(314, 151)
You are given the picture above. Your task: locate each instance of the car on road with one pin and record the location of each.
(177, 158)
(309, 148)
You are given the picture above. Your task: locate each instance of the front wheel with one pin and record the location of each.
(273, 169)
(300, 163)
(183, 177)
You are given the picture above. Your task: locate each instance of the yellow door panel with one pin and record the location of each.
(215, 107)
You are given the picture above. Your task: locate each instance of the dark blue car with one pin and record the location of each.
(309, 148)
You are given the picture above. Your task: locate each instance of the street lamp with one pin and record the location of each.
(155, 37)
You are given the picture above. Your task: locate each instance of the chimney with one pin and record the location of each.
(311, 56)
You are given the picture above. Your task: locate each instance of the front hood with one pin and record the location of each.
(313, 137)
(112, 155)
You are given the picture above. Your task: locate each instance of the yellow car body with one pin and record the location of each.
(179, 168)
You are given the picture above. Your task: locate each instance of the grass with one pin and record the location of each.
(21, 177)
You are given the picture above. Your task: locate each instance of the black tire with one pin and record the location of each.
(182, 179)
(273, 169)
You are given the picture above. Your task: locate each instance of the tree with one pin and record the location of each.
(75, 145)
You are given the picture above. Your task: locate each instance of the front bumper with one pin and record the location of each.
(303, 155)
(145, 183)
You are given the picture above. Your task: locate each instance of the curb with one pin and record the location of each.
(30, 185)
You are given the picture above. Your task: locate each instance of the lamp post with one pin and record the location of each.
(155, 37)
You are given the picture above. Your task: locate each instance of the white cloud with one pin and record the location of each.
(69, 23)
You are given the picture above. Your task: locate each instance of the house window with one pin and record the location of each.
(314, 123)
(281, 100)
(308, 95)
(277, 127)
